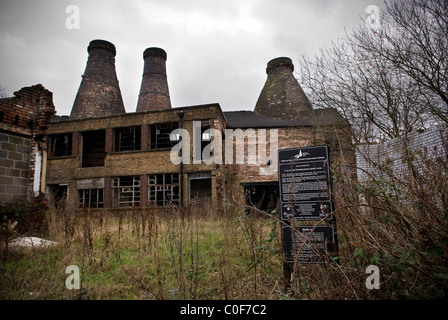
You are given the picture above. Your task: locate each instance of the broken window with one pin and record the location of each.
(57, 194)
(126, 191)
(91, 198)
(93, 148)
(61, 145)
(128, 138)
(164, 189)
(161, 136)
(262, 196)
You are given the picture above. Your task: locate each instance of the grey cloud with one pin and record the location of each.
(217, 50)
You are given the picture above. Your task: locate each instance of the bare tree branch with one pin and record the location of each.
(389, 80)
(2, 92)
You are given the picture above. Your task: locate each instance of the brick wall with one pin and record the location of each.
(337, 138)
(226, 178)
(68, 169)
(24, 120)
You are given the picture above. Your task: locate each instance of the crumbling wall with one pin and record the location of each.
(24, 120)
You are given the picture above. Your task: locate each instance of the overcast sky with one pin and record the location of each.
(217, 49)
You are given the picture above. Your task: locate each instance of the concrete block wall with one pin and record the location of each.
(430, 144)
(14, 167)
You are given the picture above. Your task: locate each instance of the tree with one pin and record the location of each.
(390, 79)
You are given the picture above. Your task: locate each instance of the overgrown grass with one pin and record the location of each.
(144, 255)
(394, 221)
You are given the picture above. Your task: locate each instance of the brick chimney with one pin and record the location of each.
(282, 97)
(154, 92)
(99, 93)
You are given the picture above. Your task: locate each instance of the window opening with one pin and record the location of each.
(206, 139)
(161, 135)
(126, 191)
(91, 198)
(93, 148)
(164, 189)
(127, 139)
(262, 196)
(61, 145)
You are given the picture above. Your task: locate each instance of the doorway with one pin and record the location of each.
(200, 190)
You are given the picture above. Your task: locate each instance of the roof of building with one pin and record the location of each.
(250, 119)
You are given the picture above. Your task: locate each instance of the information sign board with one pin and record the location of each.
(304, 179)
(305, 199)
(308, 244)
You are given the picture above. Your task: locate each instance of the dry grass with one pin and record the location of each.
(396, 222)
(144, 255)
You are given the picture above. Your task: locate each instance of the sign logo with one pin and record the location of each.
(301, 155)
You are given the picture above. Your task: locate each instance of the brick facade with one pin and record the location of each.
(144, 162)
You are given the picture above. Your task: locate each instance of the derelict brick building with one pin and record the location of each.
(101, 156)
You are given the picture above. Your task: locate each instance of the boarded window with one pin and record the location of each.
(61, 145)
(126, 191)
(127, 139)
(164, 189)
(161, 136)
(91, 198)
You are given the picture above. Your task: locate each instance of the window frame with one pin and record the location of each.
(162, 189)
(90, 203)
(125, 133)
(122, 191)
(68, 150)
(161, 135)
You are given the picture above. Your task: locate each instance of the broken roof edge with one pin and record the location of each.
(66, 118)
(250, 119)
